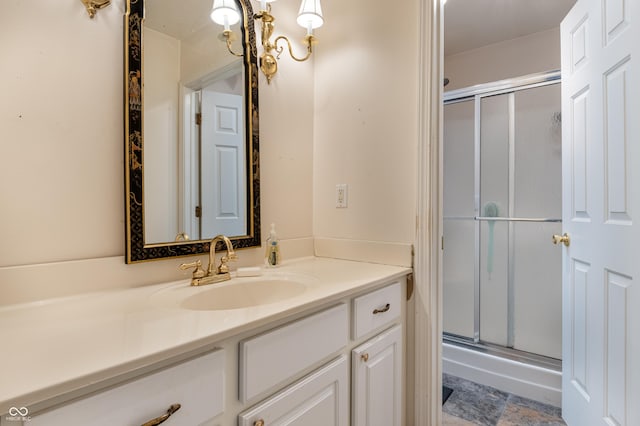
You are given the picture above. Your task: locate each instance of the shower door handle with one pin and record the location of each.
(561, 239)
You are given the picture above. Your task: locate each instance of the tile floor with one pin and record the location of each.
(473, 404)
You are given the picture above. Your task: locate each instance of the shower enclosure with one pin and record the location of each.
(502, 204)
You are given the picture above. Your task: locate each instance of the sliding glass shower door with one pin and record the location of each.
(502, 203)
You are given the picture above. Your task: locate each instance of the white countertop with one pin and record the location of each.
(60, 346)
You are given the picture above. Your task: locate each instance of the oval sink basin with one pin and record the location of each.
(236, 295)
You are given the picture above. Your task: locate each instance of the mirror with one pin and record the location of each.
(191, 130)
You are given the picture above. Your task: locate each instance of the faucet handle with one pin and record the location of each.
(198, 272)
(224, 268)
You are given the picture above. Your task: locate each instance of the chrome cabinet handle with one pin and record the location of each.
(561, 239)
(164, 417)
(382, 310)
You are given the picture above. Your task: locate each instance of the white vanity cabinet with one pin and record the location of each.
(377, 380)
(197, 385)
(337, 362)
(322, 397)
(377, 363)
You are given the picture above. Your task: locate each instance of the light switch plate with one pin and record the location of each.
(342, 195)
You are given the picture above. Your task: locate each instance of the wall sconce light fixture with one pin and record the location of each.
(93, 6)
(226, 13)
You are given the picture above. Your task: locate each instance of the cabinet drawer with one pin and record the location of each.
(376, 309)
(197, 385)
(321, 398)
(275, 356)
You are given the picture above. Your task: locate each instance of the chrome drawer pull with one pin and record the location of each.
(382, 310)
(164, 417)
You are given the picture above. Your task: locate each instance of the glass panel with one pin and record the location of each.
(494, 202)
(459, 160)
(458, 263)
(459, 226)
(537, 266)
(538, 162)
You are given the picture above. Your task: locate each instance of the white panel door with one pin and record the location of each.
(601, 180)
(377, 380)
(223, 170)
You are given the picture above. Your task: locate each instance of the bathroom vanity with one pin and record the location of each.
(317, 340)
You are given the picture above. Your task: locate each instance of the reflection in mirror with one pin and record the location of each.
(195, 168)
(192, 131)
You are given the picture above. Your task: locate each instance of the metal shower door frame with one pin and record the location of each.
(477, 93)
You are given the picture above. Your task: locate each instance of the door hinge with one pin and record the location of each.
(198, 211)
(198, 118)
(409, 286)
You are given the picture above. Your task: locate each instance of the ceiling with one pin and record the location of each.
(179, 19)
(469, 24)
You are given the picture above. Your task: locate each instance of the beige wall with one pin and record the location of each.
(61, 142)
(512, 58)
(161, 106)
(365, 130)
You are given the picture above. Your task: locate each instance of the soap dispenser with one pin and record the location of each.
(272, 254)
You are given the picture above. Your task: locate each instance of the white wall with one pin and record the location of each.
(161, 109)
(512, 58)
(61, 144)
(61, 141)
(365, 130)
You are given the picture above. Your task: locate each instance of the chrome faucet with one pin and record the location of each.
(213, 274)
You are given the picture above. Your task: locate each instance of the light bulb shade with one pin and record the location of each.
(225, 12)
(310, 15)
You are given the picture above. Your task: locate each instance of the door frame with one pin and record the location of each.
(427, 299)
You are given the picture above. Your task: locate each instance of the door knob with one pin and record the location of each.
(561, 239)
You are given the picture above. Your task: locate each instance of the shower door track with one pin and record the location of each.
(502, 86)
(502, 352)
(476, 94)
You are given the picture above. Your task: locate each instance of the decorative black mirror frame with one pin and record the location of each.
(136, 249)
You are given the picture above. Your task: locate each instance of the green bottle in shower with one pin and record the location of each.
(490, 209)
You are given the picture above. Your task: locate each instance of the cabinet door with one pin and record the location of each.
(377, 380)
(320, 399)
(197, 385)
